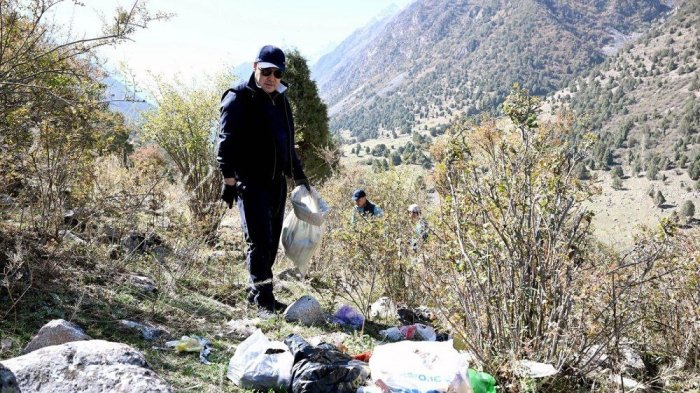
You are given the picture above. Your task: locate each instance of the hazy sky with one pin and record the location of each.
(205, 35)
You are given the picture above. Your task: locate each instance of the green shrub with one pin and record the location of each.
(513, 231)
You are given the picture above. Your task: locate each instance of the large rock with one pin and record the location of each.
(306, 311)
(93, 366)
(8, 382)
(56, 332)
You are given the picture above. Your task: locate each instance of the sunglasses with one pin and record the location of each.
(269, 71)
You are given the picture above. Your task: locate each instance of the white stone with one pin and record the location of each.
(55, 332)
(146, 284)
(94, 366)
(306, 311)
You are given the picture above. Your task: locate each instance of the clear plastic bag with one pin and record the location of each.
(303, 228)
(259, 363)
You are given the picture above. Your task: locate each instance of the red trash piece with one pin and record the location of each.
(363, 357)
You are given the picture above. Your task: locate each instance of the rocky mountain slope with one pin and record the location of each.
(437, 58)
(643, 102)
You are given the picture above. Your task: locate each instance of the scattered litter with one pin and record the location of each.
(417, 331)
(324, 368)
(383, 308)
(532, 369)
(240, 329)
(420, 366)
(192, 344)
(346, 315)
(261, 364)
(482, 382)
(421, 314)
(363, 357)
(148, 332)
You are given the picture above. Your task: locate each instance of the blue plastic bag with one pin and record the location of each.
(347, 315)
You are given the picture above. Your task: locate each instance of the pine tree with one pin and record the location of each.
(688, 209)
(659, 199)
(317, 149)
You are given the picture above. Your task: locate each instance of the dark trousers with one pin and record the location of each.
(262, 212)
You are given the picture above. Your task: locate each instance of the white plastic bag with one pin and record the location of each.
(308, 206)
(303, 228)
(259, 363)
(420, 366)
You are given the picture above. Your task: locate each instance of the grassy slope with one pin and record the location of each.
(198, 292)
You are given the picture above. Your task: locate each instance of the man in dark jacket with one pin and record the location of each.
(255, 153)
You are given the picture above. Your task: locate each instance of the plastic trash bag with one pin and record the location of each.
(347, 315)
(259, 363)
(324, 368)
(192, 344)
(302, 229)
(309, 206)
(416, 331)
(482, 382)
(420, 366)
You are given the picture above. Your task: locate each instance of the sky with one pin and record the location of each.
(205, 36)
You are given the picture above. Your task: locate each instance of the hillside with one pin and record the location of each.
(643, 102)
(437, 58)
(330, 64)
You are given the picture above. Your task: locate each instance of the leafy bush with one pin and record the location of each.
(514, 235)
(183, 125)
(688, 209)
(371, 258)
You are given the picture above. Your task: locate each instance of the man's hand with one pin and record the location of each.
(303, 182)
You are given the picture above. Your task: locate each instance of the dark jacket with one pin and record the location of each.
(256, 135)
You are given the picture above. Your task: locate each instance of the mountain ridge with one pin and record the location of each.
(438, 58)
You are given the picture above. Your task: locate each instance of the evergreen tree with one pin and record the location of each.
(617, 183)
(688, 209)
(317, 149)
(659, 199)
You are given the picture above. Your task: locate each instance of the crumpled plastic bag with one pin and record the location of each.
(346, 315)
(482, 382)
(302, 229)
(309, 206)
(324, 368)
(259, 363)
(420, 366)
(192, 344)
(416, 331)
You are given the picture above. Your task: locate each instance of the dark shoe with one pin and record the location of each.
(272, 307)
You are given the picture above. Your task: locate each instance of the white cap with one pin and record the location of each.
(414, 208)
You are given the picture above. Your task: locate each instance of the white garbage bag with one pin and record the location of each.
(261, 364)
(309, 206)
(303, 228)
(420, 366)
